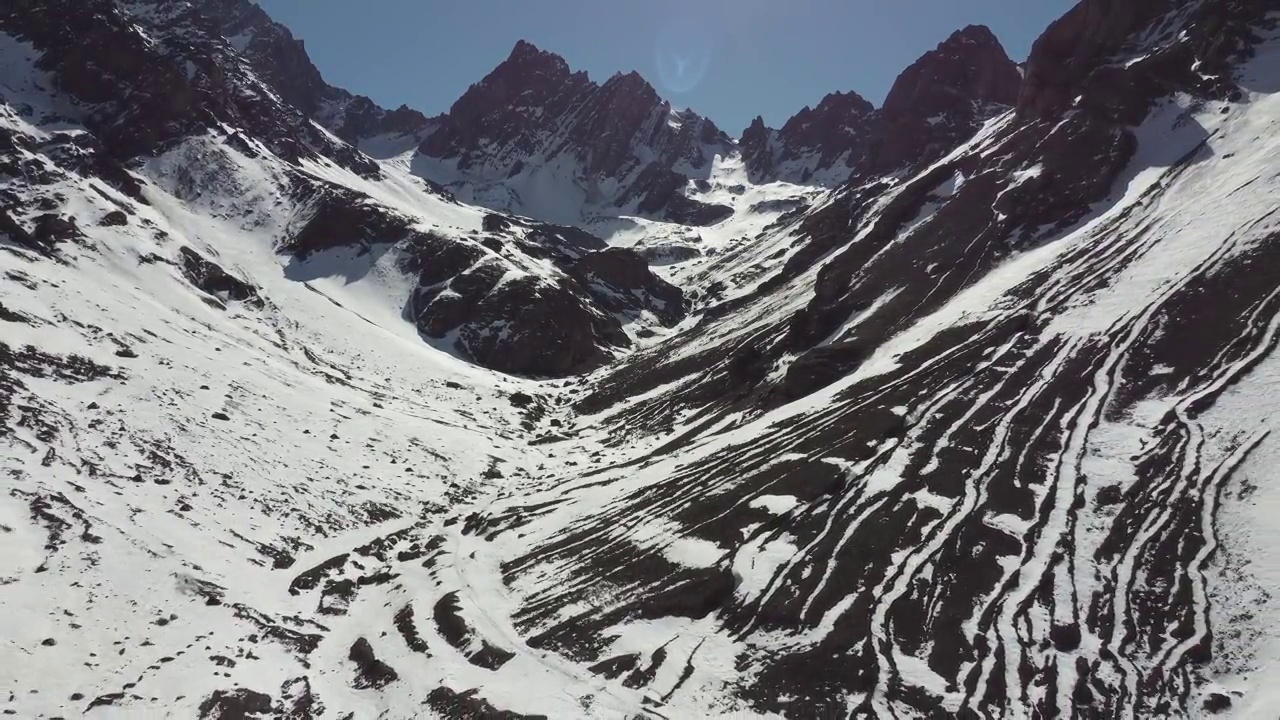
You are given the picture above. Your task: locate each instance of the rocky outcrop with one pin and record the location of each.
(479, 301)
(371, 673)
(361, 118)
(1116, 58)
(618, 145)
(151, 73)
(944, 97)
(1074, 44)
(97, 56)
(757, 148)
(623, 282)
(282, 62)
(218, 284)
(335, 216)
(237, 703)
(819, 145)
(503, 318)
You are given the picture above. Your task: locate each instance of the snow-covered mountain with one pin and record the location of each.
(959, 407)
(939, 101)
(537, 138)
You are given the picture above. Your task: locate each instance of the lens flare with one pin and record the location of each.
(683, 55)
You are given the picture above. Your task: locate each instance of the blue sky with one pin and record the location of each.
(740, 58)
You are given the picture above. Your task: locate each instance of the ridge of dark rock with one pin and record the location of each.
(533, 108)
(935, 103)
(1165, 45)
(944, 97)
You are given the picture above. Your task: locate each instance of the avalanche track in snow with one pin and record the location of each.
(911, 455)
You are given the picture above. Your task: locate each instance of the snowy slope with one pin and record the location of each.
(989, 436)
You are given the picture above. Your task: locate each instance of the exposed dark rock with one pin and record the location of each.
(1217, 703)
(134, 76)
(339, 217)
(935, 104)
(626, 275)
(1065, 638)
(685, 210)
(944, 97)
(371, 673)
(362, 118)
(669, 254)
(1174, 46)
(51, 229)
(115, 218)
(310, 579)
(336, 596)
(1074, 45)
(408, 629)
(14, 232)
(820, 367)
(524, 326)
(238, 704)
(690, 594)
(828, 140)
(467, 706)
(212, 279)
(757, 147)
(532, 103)
(455, 630)
(298, 702)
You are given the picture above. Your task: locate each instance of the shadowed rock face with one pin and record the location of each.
(213, 280)
(824, 141)
(1162, 46)
(524, 98)
(98, 57)
(944, 97)
(622, 282)
(524, 324)
(281, 61)
(143, 92)
(1073, 46)
(935, 104)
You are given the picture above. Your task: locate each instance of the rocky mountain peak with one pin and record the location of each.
(945, 96)
(630, 89)
(834, 105)
(818, 144)
(755, 129)
(622, 138)
(755, 144)
(1064, 54)
(1124, 55)
(526, 58)
(971, 65)
(523, 98)
(278, 57)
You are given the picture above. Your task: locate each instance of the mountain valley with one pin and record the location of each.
(567, 403)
